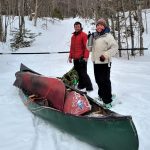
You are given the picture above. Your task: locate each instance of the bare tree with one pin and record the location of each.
(35, 13)
(114, 10)
(125, 24)
(21, 16)
(141, 28)
(1, 22)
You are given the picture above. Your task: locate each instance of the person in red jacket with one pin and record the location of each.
(80, 54)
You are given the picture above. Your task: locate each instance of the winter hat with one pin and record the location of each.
(101, 21)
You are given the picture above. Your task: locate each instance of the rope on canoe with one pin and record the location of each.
(39, 108)
(33, 98)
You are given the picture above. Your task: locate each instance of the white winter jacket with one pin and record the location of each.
(104, 45)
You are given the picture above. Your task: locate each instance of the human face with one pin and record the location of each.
(99, 28)
(77, 28)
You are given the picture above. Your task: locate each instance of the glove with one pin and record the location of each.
(102, 58)
(70, 60)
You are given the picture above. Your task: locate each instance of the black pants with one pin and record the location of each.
(102, 77)
(84, 80)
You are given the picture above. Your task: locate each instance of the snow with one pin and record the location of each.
(20, 129)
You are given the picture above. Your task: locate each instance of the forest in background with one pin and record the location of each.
(125, 17)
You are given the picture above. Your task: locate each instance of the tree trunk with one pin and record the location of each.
(127, 44)
(113, 27)
(119, 37)
(141, 28)
(36, 11)
(21, 22)
(118, 26)
(1, 23)
(146, 23)
(132, 34)
(1, 28)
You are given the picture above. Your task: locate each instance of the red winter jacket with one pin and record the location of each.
(78, 47)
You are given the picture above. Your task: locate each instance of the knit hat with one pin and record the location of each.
(101, 21)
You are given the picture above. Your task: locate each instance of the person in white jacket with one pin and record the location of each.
(104, 46)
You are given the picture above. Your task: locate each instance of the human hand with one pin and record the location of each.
(85, 59)
(102, 58)
(70, 60)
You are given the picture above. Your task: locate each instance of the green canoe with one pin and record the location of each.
(106, 129)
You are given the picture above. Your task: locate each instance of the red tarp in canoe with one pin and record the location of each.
(51, 89)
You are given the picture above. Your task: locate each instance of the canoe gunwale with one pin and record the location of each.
(111, 116)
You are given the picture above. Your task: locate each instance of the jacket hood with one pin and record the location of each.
(106, 30)
(98, 34)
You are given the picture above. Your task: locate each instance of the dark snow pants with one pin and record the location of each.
(102, 78)
(84, 80)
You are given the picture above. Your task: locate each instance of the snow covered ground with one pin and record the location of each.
(20, 129)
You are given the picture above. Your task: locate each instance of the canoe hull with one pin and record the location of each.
(110, 132)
